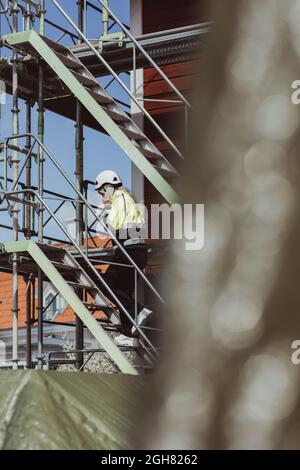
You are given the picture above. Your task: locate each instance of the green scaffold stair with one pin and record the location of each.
(58, 273)
(84, 86)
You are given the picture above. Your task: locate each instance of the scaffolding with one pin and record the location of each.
(62, 76)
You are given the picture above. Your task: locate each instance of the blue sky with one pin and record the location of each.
(100, 150)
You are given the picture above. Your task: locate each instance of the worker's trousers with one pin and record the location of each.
(121, 280)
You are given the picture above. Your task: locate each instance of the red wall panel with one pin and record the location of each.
(159, 16)
(169, 14)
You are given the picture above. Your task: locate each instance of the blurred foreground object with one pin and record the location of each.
(70, 410)
(227, 379)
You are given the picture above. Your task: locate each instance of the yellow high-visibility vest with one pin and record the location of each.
(124, 211)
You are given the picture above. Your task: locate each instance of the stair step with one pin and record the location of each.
(51, 250)
(132, 134)
(168, 174)
(66, 267)
(115, 115)
(78, 285)
(70, 63)
(97, 307)
(148, 153)
(113, 315)
(100, 97)
(89, 82)
(55, 45)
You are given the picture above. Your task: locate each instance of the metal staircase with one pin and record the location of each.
(74, 273)
(68, 273)
(77, 78)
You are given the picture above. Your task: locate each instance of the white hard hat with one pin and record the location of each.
(108, 177)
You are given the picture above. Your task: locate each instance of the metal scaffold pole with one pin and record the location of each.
(28, 169)
(41, 189)
(30, 279)
(15, 209)
(105, 18)
(28, 18)
(79, 207)
(29, 287)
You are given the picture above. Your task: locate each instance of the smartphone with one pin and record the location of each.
(110, 191)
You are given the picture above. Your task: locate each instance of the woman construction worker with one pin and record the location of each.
(124, 217)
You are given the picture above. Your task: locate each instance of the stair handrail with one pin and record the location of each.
(145, 53)
(117, 78)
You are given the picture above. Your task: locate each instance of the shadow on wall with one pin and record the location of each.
(227, 379)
